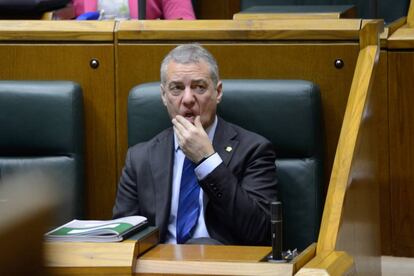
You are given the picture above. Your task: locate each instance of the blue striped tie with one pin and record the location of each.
(188, 205)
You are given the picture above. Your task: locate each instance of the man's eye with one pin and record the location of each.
(175, 89)
(199, 89)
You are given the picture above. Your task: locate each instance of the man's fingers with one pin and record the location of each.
(180, 119)
(179, 124)
(197, 123)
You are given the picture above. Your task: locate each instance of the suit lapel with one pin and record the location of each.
(161, 161)
(224, 140)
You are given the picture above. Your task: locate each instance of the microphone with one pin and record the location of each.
(276, 230)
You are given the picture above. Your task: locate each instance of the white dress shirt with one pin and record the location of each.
(201, 171)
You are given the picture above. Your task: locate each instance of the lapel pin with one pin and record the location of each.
(229, 149)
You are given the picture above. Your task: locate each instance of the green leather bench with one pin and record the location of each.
(42, 132)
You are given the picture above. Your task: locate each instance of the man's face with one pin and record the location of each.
(189, 91)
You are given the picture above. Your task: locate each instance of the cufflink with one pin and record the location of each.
(229, 149)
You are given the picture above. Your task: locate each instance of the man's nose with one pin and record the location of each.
(188, 96)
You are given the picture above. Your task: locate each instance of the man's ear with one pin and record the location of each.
(219, 90)
(163, 95)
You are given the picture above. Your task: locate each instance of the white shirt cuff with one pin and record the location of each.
(208, 166)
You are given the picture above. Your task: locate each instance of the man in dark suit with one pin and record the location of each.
(204, 178)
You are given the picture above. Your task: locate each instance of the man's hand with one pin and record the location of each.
(193, 139)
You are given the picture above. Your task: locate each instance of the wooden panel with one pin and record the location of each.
(162, 268)
(313, 62)
(361, 233)
(410, 15)
(350, 220)
(215, 253)
(71, 62)
(380, 109)
(328, 29)
(335, 263)
(401, 120)
(56, 30)
(121, 255)
(273, 16)
(167, 259)
(402, 38)
(297, 11)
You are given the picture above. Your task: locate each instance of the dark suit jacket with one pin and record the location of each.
(239, 189)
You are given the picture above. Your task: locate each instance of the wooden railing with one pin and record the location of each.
(337, 214)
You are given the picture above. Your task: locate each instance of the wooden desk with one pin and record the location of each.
(89, 258)
(165, 259)
(297, 12)
(209, 260)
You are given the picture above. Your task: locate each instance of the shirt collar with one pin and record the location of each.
(211, 130)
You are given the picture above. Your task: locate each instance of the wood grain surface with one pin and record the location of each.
(167, 259)
(401, 121)
(402, 38)
(306, 29)
(56, 30)
(351, 215)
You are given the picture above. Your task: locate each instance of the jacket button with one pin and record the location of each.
(215, 188)
(219, 195)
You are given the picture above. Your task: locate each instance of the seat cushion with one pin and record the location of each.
(61, 170)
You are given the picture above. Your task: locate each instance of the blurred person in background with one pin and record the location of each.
(155, 9)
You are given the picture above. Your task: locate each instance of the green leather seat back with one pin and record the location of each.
(29, 7)
(287, 112)
(389, 10)
(42, 130)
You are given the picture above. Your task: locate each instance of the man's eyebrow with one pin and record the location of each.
(174, 83)
(200, 80)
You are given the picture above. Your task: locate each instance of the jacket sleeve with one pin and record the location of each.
(126, 202)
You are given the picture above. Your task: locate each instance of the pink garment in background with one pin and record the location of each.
(156, 9)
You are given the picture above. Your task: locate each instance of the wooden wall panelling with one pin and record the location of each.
(363, 216)
(401, 121)
(54, 61)
(351, 217)
(380, 88)
(314, 62)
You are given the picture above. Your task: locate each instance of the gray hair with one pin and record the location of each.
(188, 54)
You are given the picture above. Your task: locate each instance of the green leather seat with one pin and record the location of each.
(42, 131)
(287, 112)
(27, 9)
